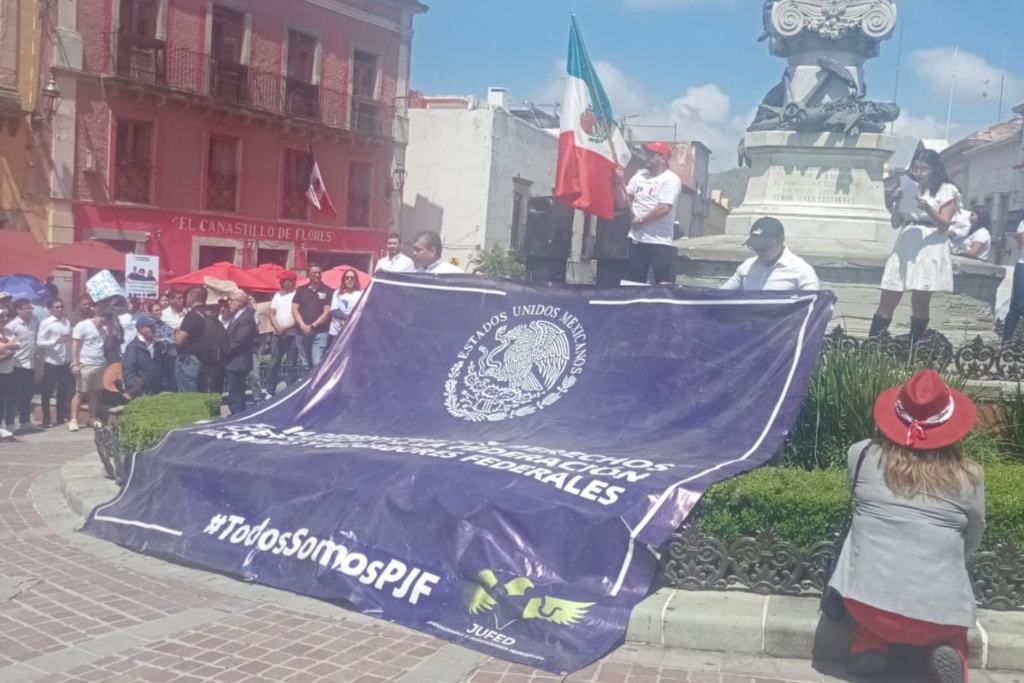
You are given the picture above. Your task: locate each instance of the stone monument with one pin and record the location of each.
(817, 153)
(816, 148)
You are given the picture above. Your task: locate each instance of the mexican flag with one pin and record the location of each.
(591, 144)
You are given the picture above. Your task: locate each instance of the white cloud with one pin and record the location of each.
(702, 112)
(976, 79)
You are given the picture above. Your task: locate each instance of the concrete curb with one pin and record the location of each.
(732, 622)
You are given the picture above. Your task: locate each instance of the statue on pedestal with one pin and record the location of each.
(826, 43)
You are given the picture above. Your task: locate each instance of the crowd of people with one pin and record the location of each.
(181, 342)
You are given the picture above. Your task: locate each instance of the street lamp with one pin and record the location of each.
(49, 100)
(400, 175)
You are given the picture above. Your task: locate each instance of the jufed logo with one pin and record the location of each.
(518, 362)
(517, 600)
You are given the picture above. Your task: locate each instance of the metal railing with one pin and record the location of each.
(151, 61)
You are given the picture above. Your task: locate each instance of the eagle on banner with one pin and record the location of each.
(509, 602)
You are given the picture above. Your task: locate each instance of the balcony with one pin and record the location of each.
(149, 65)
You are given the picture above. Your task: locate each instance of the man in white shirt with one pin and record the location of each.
(775, 268)
(426, 252)
(282, 344)
(395, 261)
(175, 311)
(88, 362)
(652, 193)
(55, 342)
(24, 328)
(8, 347)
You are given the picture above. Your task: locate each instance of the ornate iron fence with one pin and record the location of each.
(769, 566)
(977, 360)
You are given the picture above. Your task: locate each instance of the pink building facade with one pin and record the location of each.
(197, 122)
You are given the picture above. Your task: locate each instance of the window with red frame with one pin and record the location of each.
(359, 174)
(133, 161)
(138, 17)
(222, 174)
(228, 76)
(297, 168)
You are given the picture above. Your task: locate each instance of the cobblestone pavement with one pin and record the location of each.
(73, 608)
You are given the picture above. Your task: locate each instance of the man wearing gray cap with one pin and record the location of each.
(775, 268)
(144, 364)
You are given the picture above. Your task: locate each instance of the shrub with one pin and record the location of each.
(146, 420)
(804, 507)
(1011, 426)
(498, 262)
(839, 406)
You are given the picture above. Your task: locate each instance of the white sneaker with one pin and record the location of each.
(4, 434)
(73, 426)
(96, 424)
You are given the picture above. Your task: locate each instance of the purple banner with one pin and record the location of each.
(491, 463)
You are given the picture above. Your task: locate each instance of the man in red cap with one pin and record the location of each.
(652, 194)
(282, 319)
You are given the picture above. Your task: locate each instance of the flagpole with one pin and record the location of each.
(952, 91)
(593, 73)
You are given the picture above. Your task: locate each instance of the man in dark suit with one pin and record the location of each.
(143, 362)
(242, 333)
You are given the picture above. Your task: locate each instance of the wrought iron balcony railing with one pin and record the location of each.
(150, 61)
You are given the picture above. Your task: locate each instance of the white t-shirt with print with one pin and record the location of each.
(648, 193)
(90, 343)
(281, 305)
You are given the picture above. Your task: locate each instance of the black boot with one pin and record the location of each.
(918, 326)
(879, 325)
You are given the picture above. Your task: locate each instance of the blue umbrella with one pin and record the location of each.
(23, 287)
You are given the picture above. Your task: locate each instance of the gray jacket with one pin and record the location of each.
(909, 555)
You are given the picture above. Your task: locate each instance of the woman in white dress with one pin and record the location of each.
(920, 262)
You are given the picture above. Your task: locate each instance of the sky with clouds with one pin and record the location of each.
(697, 65)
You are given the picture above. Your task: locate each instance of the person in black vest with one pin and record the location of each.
(242, 332)
(142, 367)
(202, 347)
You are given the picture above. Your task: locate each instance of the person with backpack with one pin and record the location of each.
(202, 345)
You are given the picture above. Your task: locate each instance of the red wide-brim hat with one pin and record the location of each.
(921, 391)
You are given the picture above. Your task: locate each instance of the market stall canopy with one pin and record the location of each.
(224, 271)
(332, 277)
(21, 253)
(88, 254)
(268, 274)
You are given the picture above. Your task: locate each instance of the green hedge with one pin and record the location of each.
(804, 507)
(145, 420)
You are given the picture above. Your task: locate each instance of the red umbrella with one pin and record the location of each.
(88, 254)
(21, 253)
(268, 274)
(332, 277)
(224, 271)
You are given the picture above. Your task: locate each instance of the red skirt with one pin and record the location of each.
(875, 630)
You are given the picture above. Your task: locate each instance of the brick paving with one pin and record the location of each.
(76, 609)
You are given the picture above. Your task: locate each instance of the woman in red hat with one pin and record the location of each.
(919, 514)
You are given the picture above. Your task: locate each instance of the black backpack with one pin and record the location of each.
(212, 347)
